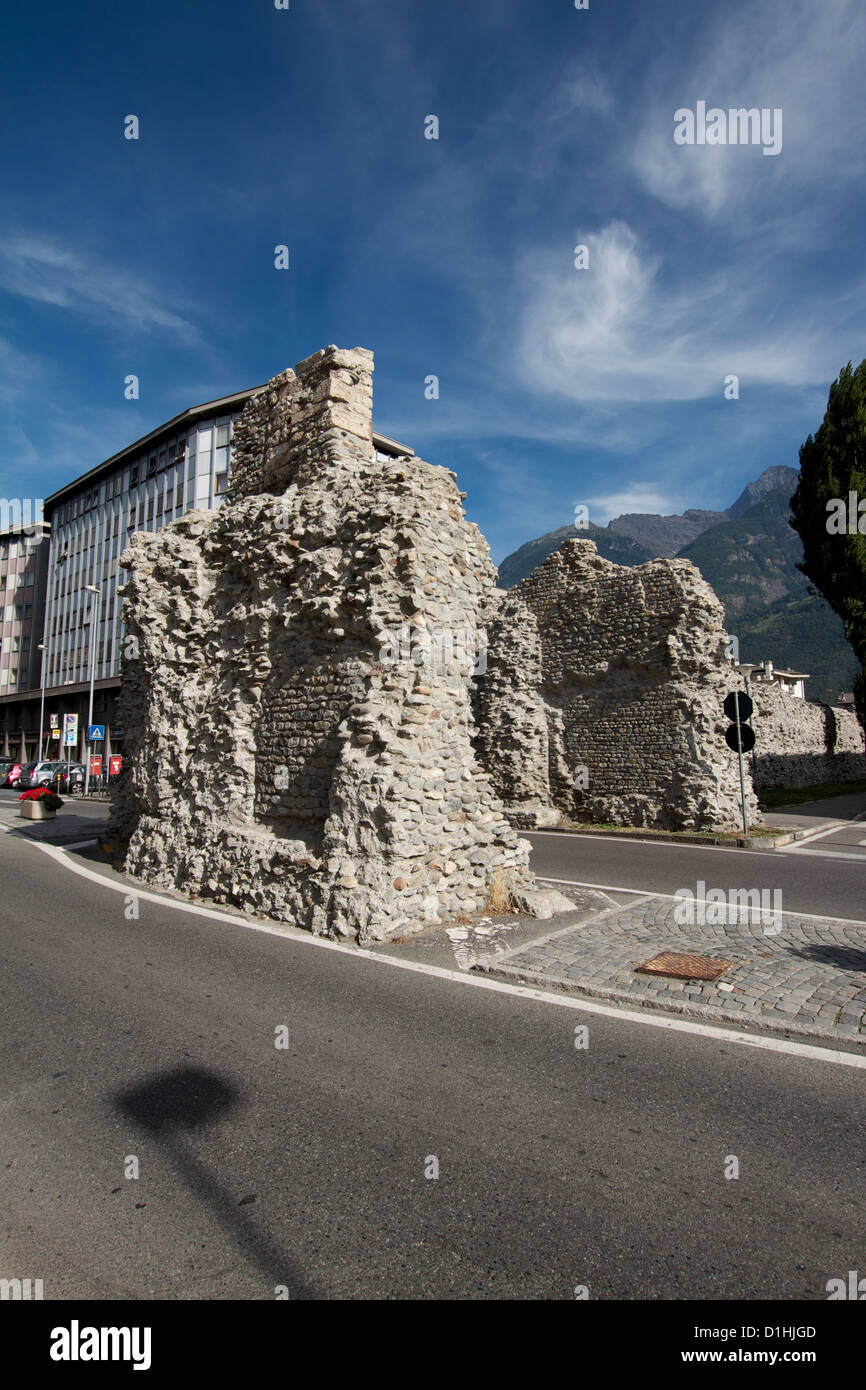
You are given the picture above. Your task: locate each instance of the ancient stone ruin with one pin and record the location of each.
(297, 681)
(603, 694)
(802, 743)
(335, 719)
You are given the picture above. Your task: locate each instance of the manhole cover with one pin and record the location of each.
(682, 966)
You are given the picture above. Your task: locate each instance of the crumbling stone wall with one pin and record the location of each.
(283, 759)
(801, 743)
(603, 696)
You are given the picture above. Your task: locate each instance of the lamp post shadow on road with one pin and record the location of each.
(187, 1099)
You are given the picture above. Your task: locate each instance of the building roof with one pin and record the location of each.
(19, 532)
(195, 412)
(752, 666)
(222, 405)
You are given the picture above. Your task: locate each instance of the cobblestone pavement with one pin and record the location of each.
(809, 978)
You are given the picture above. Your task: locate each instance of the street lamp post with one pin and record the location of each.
(94, 633)
(41, 648)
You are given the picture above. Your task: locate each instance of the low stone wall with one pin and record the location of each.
(288, 752)
(801, 743)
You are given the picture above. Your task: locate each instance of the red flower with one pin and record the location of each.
(42, 794)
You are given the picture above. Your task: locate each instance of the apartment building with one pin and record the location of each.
(63, 591)
(183, 464)
(23, 573)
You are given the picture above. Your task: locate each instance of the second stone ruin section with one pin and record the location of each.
(602, 699)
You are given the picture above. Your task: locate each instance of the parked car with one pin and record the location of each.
(72, 776)
(6, 763)
(39, 774)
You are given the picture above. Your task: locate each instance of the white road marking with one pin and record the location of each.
(824, 854)
(820, 834)
(805, 1051)
(672, 897)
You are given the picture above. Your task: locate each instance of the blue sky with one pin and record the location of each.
(452, 257)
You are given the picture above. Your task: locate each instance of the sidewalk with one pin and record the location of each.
(810, 815)
(810, 979)
(75, 821)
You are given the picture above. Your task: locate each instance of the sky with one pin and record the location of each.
(606, 385)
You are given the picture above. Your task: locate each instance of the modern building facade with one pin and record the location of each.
(23, 575)
(50, 578)
(178, 466)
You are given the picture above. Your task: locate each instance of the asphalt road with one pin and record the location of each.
(810, 878)
(305, 1167)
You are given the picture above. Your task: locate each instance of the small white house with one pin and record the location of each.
(765, 673)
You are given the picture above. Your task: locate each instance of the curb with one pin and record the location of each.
(708, 1013)
(686, 837)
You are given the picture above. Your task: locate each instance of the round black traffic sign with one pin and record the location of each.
(738, 706)
(746, 740)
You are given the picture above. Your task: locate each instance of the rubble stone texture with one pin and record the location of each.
(614, 677)
(289, 756)
(308, 737)
(801, 743)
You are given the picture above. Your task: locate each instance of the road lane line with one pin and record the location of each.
(805, 1051)
(820, 834)
(824, 854)
(672, 897)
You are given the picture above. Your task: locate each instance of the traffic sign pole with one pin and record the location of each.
(742, 779)
(738, 706)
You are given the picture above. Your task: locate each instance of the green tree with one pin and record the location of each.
(826, 509)
(860, 698)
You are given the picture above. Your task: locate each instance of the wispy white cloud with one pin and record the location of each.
(20, 372)
(636, 497)
(624, 331)
(45, 270)
(809, 64)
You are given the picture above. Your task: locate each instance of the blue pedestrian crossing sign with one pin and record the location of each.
(96, 734)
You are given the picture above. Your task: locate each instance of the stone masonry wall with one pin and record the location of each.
(603, 696)
(285, 756)
(801, 743)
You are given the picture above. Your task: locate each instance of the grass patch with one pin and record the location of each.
(781, 796)
(646, 832)
(498, 896)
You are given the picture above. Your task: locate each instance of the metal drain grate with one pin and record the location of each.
(682, 966)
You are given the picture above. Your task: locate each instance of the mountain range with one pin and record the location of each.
(749, 554)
